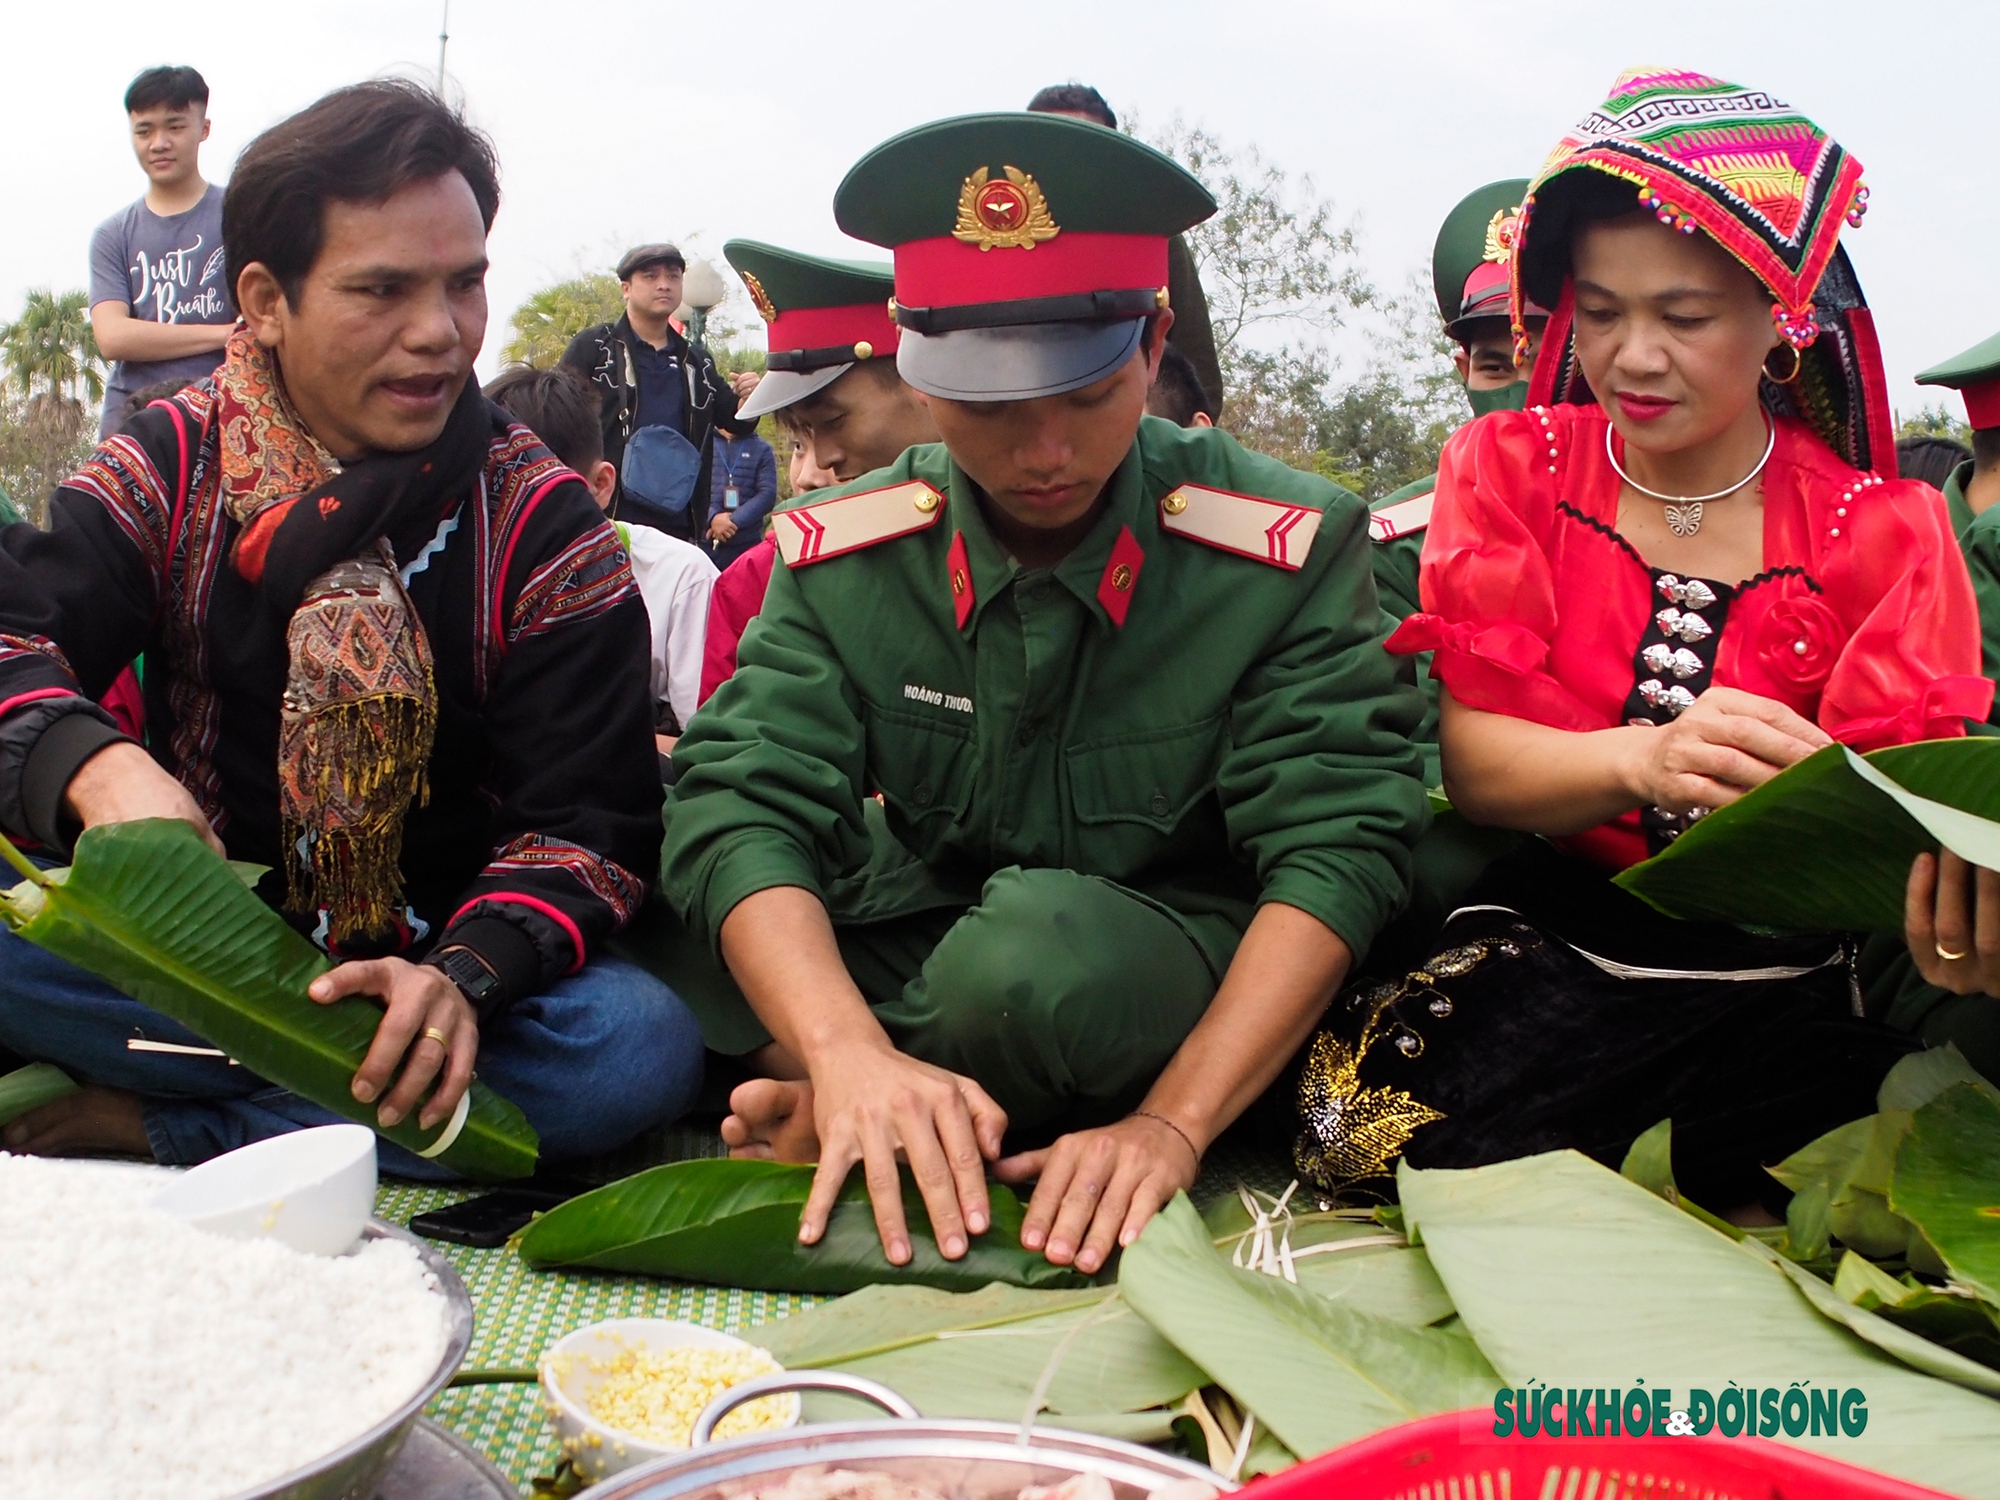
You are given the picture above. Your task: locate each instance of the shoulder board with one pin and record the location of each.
(1404, 518)
(847, 523)
(1271, 531)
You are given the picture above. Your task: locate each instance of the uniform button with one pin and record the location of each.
(922, 795)
(1038, 591)
(1030, 729)
(1159, 803)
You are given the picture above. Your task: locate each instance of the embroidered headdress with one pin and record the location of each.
(1762, 181)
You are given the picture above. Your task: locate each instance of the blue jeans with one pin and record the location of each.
(592, 1062)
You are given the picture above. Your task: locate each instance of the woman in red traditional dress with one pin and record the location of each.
(1685, 567)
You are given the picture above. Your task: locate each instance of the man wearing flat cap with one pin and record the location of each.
(1121, 688)
(647, 374)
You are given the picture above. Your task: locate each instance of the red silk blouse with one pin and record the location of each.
(1862, 620)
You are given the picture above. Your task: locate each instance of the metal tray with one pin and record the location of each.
(353, 1471)
(439, 1465)
(961, 1460)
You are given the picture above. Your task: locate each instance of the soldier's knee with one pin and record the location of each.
(1006, 966)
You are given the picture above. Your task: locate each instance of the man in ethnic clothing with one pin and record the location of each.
(394, 652)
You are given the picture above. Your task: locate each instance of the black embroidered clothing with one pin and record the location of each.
(541, 824)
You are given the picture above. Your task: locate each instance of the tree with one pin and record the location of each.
(1277, 267)
(1935, 421)
(50, 348)
(53, 377)
(545, 323)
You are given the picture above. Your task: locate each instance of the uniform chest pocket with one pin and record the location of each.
(923, 766)
(1153, 777)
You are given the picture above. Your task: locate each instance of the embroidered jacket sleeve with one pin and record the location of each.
(1488, 583)
(76, 604)
(574, 771)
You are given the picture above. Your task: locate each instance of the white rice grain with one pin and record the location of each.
(144, 1359)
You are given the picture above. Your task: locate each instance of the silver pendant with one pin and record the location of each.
(1684, 520)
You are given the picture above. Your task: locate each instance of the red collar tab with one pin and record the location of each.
(1121, 576)
(1982, 404)
(949, 272)
(958, 569)
(823, 327)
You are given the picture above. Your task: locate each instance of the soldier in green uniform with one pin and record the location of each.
(1121, 688)
(831, 369)
(1937, 984)
(1469, 278)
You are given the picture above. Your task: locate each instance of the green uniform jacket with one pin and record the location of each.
(1979, 538)
(1242, 737)
(1396, 565)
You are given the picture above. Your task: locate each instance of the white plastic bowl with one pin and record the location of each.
(310, 1189)
(568, 1381)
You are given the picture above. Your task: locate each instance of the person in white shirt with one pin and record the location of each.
(674, 577)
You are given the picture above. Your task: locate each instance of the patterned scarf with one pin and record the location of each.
(1766, 184)
(320, 543)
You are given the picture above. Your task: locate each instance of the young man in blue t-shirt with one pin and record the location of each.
(160, 302)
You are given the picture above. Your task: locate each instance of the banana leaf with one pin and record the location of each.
(32, 1087)
(1083, 1355)
(1956, 1321)
(1897, 1338)
(1840, 1182)
(1947, 1183)
(1339, 1255)
(152, 910)
(1568, 1274)
(1827, 844)
(1317, 1373)
(736, 1223)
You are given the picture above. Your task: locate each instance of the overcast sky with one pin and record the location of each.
(623, 122)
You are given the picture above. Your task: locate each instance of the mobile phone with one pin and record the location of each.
(491, 1219)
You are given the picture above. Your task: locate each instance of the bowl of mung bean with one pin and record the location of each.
(627, 1391)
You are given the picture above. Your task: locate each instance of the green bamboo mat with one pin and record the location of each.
(518, 1313)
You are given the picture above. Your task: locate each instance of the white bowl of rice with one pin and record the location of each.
(627, 1391)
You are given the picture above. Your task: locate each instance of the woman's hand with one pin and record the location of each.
(1951, 920)
(1726, 743)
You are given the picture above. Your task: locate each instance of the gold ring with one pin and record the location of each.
(1946, 954)
(438, 1036)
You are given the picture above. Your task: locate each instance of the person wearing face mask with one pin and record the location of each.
(1685, 566)
(1469, 278)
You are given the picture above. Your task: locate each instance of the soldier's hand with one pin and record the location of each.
(743, 382)
(1098, 1188)
(872, 1104)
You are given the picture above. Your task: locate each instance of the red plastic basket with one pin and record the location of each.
(1456, 1457)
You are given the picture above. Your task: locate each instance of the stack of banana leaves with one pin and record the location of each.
(1271, 1329)
(1275, 1327)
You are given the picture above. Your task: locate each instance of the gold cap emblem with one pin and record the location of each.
(1009, 212)
(1503, 235)
(766, 309)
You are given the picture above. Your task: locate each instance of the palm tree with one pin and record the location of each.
(545, 323)
(50, 350)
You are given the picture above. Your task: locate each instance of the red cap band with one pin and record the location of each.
(824, 327)
(948, 272)
(1982, 404)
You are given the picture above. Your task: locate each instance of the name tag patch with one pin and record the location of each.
(917, 693)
